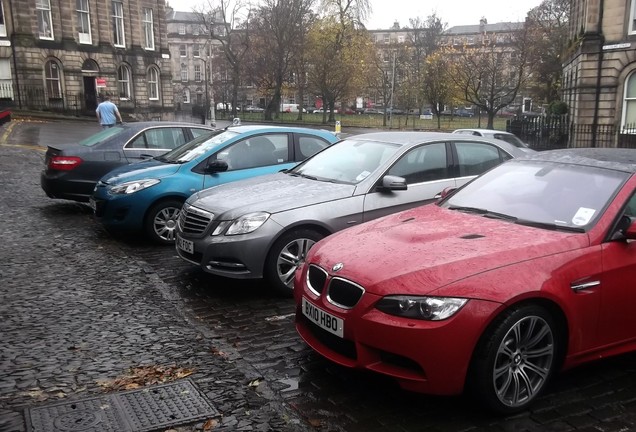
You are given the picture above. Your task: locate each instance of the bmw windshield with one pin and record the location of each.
(544, 194)
(196, 147)
(349, 161)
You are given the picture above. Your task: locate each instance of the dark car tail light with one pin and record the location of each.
(64, 163)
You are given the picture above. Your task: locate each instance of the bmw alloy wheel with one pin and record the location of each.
(523, 361)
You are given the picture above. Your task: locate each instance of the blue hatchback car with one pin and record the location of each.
(147, 196)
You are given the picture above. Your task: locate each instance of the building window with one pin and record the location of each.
(123, 82)
(153, 83)
(184, 72)
(182, 50)
(118, 24)
(629, 105)
(149, 31)
(3, 28)
(45, 27)
(199, 96)
(197, 73)
(195, 50)
(181, 29)
(196, 30)
(83, 22)
(186, 95)
(387, 38)
(52, 77)
(632, 18)
(6, 81)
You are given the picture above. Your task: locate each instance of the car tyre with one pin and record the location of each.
(161, 221)
(285, 256)
(515, 359)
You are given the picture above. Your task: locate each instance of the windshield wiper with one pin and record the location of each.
(485, 213)
(550, 226)
(297, 174)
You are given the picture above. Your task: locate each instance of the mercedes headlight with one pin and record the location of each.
(133, 186)
(423, 308)
(247, 223)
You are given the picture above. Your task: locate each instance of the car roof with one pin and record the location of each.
(413, 138)
(609, 158)
(146, 124)
(487, 131)
(273, 128)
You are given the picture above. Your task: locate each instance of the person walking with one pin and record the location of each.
(107, 113)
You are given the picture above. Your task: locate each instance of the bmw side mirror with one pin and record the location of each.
(216, 165)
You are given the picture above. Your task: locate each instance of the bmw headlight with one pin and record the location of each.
(424, 308)
(133, 186)
(247, 223)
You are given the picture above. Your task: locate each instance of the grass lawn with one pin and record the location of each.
(401, 122)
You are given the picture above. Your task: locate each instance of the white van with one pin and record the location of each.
(288, 108)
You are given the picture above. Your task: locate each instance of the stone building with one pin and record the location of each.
(63, 54)
(192, 53)
(388, 41)
(599, 79)
(201, 75)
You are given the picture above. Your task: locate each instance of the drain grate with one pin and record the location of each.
(140, 410)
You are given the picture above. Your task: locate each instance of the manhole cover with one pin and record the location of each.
(145, 409)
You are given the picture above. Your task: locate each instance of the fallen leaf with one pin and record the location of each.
(315, 422)
(210, 424)
(146, 375)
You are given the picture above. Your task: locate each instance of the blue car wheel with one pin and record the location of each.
(161, 221)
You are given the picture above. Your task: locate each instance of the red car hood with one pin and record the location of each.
(426, 248)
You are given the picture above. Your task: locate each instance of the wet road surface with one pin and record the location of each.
(254, 329)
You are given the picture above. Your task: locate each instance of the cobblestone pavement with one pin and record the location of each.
(81, 307)
(79, 312)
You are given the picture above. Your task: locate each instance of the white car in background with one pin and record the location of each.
(496, 134)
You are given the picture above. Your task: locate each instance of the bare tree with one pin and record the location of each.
(425, 37)
(300, 62)
(490, 76)
(438, 87)
(228, 23)
(381, 80)
(353, 12)
(548, 33)
(277, 30)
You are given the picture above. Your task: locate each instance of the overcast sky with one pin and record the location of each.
(452, 12)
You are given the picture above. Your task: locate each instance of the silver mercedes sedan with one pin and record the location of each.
(264, 226)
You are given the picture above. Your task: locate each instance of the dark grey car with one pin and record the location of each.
(264, 226)
(72, 170)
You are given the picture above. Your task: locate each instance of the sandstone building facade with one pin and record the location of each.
(65, 54)
(599, 81)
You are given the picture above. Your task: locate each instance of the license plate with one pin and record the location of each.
(323, 319)
(185, 245)
(91, 203)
